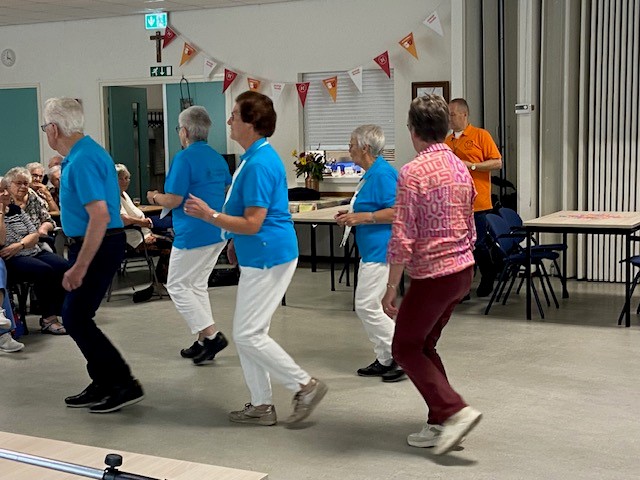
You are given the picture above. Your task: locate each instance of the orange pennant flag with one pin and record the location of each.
(254, 85)
(188, 51)
(409, 45)
(331, 84)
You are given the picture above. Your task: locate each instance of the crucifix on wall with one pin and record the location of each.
(158, 37)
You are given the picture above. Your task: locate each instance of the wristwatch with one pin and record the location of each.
(215, 215)
(473, 167)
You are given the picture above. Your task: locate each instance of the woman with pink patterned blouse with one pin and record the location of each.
(433, 237)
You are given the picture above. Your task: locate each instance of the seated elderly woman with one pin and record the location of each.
(18, 179)
(54, 180)
(27, 262)
(37, 177)
(132, 215)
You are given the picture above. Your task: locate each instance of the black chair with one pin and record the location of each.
(514, 220)
(137, 255)
(515, 258)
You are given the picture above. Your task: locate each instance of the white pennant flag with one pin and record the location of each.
(433, 22)
(276, 91)
(207, 67)
(356, 77)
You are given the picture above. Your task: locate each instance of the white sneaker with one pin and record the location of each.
(455, 428)
(4, 321)
(427, 437)
(8, 344)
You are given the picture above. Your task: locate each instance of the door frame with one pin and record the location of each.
(103, 84)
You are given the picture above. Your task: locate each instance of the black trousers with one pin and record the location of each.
(105, 365)
(482, 254)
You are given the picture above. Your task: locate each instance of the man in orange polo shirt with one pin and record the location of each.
(475, 147)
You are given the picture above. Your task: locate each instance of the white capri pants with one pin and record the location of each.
(372, 284)
(259, 294)
(188, 281)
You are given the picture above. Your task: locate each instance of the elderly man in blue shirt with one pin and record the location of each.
(90, 216)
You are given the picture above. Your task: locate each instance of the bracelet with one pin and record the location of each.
(391, 286)
(373, 217)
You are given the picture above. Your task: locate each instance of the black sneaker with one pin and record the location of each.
(89, 396)
(192, 351)
(211, 348)
(119, 397)
(396, 374)
(376, 369)
(143, 295)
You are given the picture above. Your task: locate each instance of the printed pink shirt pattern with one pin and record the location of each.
(433, 231)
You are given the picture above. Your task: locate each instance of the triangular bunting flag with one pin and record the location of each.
(383, 61)
(356, 77)
(276, 90)
(331, 84)
(409, 45)
(433, 22)
(169, 36)
(254, 85)
(188, 51)
(303, 89)
(229, 77)
(207, 67)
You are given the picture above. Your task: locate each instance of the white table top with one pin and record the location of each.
(93, 457)
(586, 220)
(324, 215)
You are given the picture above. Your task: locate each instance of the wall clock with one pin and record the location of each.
(8, 57)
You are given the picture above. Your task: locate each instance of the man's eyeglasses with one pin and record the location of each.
(178, 128)
(44, 127)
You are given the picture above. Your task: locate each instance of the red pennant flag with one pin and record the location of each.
(169, 36)
(229, 77)
(303, 89)
(383, 61)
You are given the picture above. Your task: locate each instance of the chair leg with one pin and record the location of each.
(546, 277)
(503, 277)
(537, 299)
(501, 285)
(562, 276)
(513, 281)
(636, 279)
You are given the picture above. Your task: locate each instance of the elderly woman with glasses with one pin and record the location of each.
(19, 179)
(433, 237)
(27, 262)
(199, 170)
(371, 210)
(38, 185)
(256, 214)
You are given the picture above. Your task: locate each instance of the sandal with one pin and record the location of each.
(53, 328)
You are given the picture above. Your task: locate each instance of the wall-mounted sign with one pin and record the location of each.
(165, 71)
(155, 20)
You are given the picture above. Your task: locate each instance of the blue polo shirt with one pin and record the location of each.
(378, 192)
(88, 174)
(203, 172)
(262, 182)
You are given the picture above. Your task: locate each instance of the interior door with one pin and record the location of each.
(19, 127)
(129, 135)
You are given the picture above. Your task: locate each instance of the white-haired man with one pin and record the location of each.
(90, 216)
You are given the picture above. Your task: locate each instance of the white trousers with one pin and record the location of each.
(259, 294)
(188, 280)
(372, 283)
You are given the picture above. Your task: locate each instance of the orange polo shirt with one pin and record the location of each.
(475, 145)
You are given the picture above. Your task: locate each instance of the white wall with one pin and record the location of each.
(273, 42)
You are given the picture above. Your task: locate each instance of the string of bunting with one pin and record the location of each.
(189, 50)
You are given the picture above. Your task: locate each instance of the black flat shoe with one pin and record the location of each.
(143, 295)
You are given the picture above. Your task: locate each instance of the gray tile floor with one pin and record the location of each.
(559, 396)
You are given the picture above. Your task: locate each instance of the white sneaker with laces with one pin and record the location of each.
(455, 428)
(426, 438)
(8, 344)
(4, 321)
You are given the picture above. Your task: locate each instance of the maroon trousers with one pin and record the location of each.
(424, 312)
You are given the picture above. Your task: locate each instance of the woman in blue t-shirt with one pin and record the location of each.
(257, 220)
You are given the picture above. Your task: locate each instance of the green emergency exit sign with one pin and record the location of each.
(152, 21)
(165, 71)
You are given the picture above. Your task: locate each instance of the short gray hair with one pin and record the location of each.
(121, 168)
(66, 113)
(33, 166)
(16, 172)
(197, 122)
(55, 169)
(4, 181)
(371, 135)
